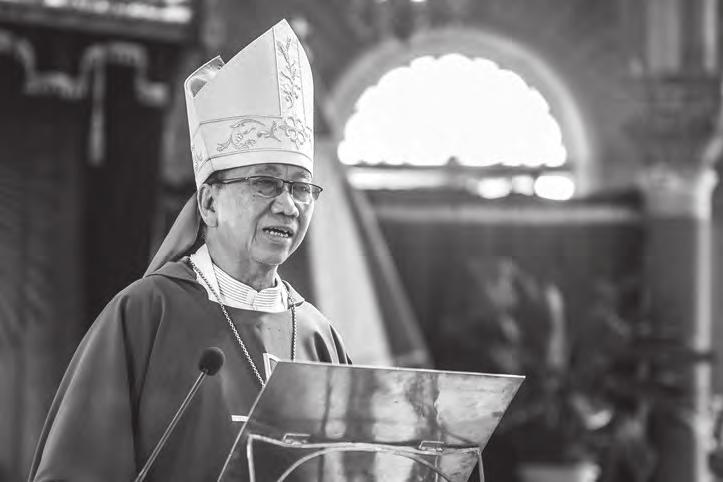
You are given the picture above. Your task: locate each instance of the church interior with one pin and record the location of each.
(510, 186)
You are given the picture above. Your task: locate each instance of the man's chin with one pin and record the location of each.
(273, 259)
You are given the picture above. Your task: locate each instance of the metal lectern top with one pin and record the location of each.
(427, 415)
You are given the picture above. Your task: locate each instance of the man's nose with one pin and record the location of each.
(284, 202)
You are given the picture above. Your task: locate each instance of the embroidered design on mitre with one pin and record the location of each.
(244, 134)
(290, 81)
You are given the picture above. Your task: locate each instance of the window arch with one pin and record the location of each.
(424, 81)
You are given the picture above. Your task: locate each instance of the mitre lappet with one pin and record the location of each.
(256, 108)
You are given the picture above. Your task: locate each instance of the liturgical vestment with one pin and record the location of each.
(135, 366)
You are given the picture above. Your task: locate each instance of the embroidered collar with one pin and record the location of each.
(235, 293)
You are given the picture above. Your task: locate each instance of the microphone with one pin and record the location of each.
(211, 360)
(210, 363)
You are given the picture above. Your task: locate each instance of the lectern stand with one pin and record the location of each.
(342, 423)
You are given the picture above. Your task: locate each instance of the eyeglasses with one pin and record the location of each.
(269, 186)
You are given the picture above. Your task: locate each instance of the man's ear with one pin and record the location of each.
(207, 203)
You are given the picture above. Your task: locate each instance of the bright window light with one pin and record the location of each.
(494, 188)
(556, 187)
(434, 109)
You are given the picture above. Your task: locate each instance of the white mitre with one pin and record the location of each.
(257, 108)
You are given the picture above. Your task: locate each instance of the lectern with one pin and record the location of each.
(350, 423)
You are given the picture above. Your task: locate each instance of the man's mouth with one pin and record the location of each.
(279, 231)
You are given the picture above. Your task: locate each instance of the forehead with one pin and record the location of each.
(284, 171)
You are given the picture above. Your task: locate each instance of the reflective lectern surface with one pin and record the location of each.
(323, 422)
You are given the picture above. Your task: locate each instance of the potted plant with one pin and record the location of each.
(513, 323)
(557, 418)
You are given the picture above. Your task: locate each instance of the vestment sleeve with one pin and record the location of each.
(88, 434)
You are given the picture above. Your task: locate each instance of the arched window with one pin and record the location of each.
(460, 113)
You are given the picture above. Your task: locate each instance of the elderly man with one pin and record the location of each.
(214, 282)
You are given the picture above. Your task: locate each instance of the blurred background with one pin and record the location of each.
(511, 186)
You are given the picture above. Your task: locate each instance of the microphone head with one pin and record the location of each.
(211, 360)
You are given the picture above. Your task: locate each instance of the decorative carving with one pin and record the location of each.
(93, 58)
(92, 69)
(677, 130)
(678, 190)
(19, 48)
(176, 12)
(677, 120)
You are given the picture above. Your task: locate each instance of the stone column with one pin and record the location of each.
(679, 137)
(676, 133)
(679, 279)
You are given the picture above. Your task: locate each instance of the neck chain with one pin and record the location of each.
(250, 361)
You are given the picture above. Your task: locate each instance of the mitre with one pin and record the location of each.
(256, 108)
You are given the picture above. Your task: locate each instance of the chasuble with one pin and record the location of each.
(136, 364)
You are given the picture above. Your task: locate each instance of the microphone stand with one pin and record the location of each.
(156, 450)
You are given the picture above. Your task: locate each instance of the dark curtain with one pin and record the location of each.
(120, 195)
(42, 148)
(434, 258)
(72, 235)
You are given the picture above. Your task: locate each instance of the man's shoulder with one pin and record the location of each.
(163, 282)
(311, 311)
(310, 314)
(169, 291)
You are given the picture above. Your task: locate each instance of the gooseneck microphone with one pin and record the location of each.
(210, 363)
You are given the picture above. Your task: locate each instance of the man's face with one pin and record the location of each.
(256, 229)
